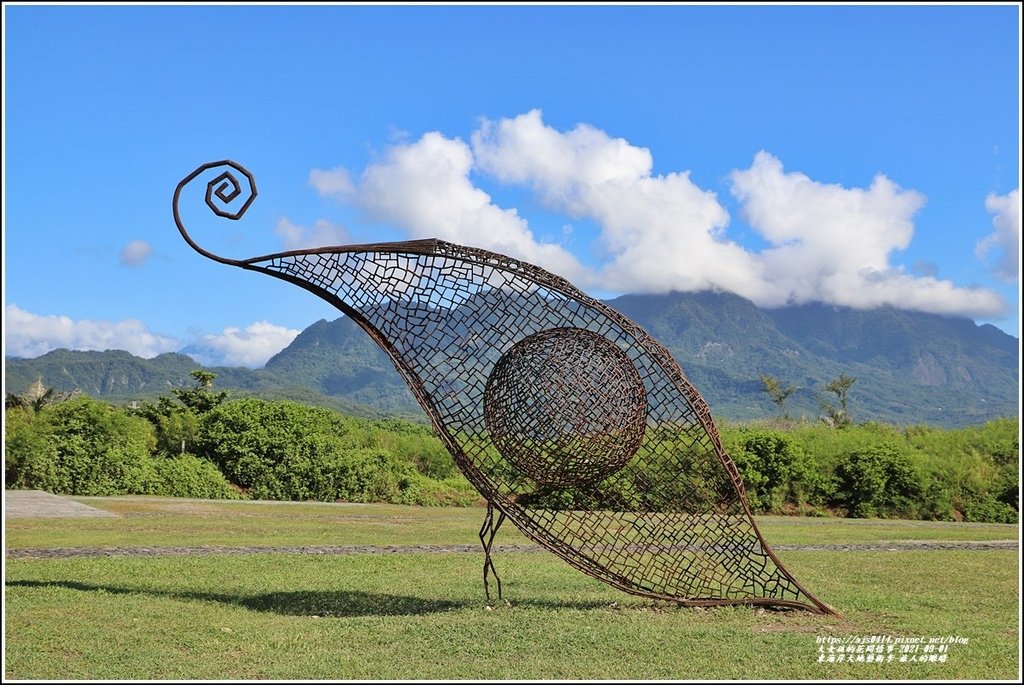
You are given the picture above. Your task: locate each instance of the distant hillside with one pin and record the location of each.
(910, 367)
(339, 359)
(103, 374)
(121, 377)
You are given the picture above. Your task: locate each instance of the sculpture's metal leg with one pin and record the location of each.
(487, 532)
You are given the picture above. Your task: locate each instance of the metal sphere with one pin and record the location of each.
(566, 407)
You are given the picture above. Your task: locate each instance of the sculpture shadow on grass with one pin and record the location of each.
(340, 603)
(337, 603)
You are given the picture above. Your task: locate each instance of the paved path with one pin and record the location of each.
(68, 552)
(39, 504)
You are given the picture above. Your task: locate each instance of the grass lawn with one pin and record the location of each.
(422, 616)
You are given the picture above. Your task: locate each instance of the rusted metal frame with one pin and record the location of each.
(584, 564)
(216, 210)
(551, 284)
(570, 555)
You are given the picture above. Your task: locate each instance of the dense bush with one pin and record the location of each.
(873, 469)
(86, 447)
(174, 425)
(175, 419)
(774, 470)
(286, 450)
(255, 442)
(455, 491)
(878, 481)
(186, 475)
(30, 459)
(79, 447)
(414, 443)
(976, 469)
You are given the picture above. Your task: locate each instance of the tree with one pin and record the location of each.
(879, 480)
(176, 422)
(776, 392)
(840, 417)
(200, 398)
(774, 470)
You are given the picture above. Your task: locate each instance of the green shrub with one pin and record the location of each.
(879, 481)
(175, 425)
(451, 492)
(364, 475)
(255, 442)
(774, 470)
(30, 459)
(285, 450)
(410, 442)
(79, 447)
(977, 469)
(186, 475)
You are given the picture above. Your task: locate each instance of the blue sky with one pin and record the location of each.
(858, 155)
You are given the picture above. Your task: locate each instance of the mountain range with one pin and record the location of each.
(910, 367)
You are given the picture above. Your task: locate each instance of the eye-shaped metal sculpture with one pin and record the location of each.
(567, 417)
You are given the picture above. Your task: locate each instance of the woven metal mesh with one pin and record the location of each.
(569, 418)
(566, 407)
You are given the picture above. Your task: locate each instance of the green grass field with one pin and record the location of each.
(423, 616)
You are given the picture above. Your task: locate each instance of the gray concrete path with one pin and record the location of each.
(68, 552)
(39, 504)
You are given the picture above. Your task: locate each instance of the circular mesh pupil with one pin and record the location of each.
(566, 407)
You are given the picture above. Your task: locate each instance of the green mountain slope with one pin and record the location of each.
(910, 367)
(339, 359)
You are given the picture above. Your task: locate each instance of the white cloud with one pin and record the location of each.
(136, 253)
(659, 233)
(322, 234)
(833, 244)
(424, 188)
(1005, 211)
(335, 181)
(30, 335)
(557, 165)
(251, 346)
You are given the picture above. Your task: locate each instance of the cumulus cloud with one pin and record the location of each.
(657, 233)
(136, 253)
(251, 346)
(557, 165)
(1005, 240)
(424, 188)
(322, 234)
(30, 335)
(834, 244)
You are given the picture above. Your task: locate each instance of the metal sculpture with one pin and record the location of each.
(567, 417)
